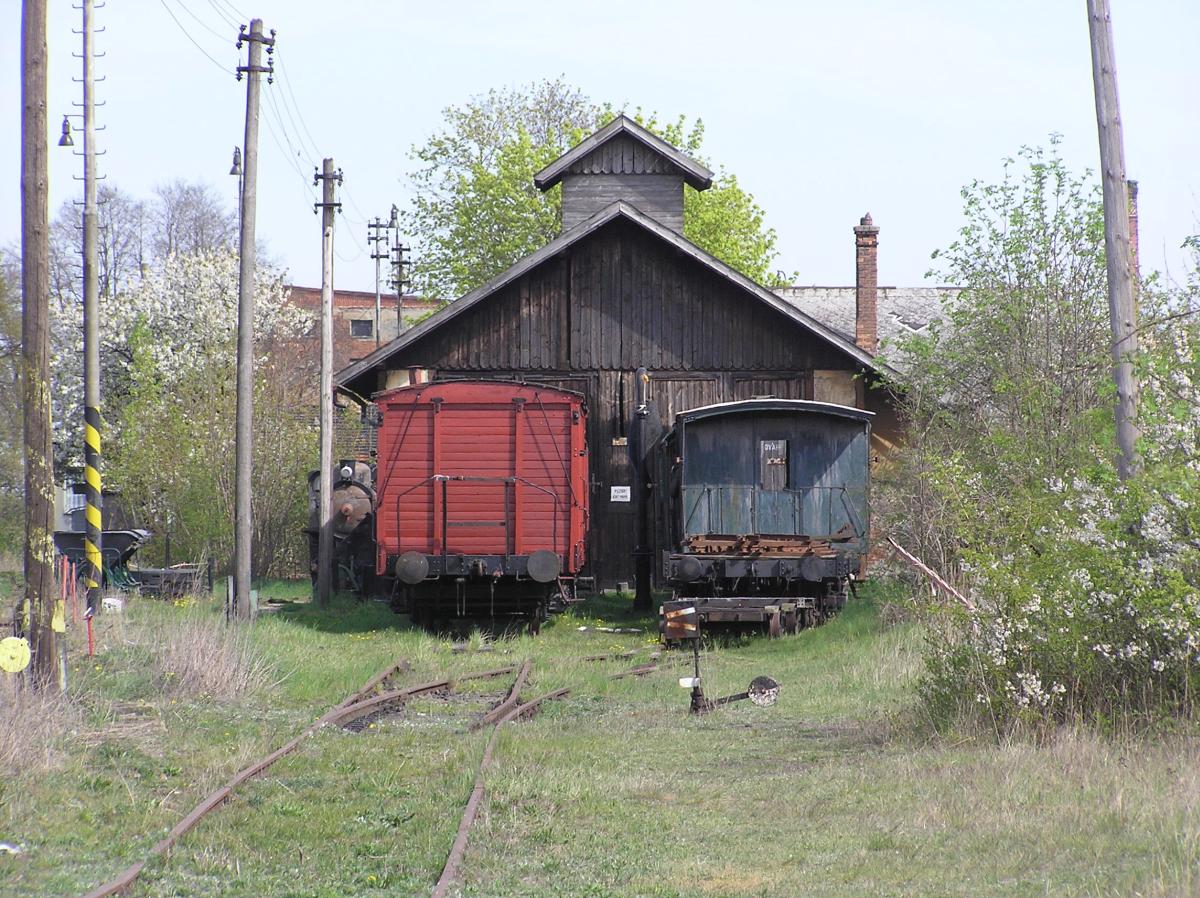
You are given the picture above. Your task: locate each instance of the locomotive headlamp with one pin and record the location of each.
(347, 472)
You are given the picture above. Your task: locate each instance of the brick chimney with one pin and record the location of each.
(866, 284)
(1132, 190)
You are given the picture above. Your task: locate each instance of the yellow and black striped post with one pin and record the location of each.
(93, 568)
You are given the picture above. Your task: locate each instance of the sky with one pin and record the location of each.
(823, 110)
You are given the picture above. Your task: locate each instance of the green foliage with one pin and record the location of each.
(476, 210)
(174, 465)
(1085, 590)
(1011, 375)
(12, 530)
(172, 455)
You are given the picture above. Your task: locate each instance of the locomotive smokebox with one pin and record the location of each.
(544, 566)
(412, 568)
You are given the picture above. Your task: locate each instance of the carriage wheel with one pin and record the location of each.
(790, 623)
(774, 629)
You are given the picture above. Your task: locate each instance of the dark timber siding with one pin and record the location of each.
(626, 168)
(659, 196)
(588, 318)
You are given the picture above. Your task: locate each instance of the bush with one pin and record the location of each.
(1094, 615)
(1086, 592)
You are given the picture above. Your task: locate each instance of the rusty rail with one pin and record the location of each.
(351, 708)
(510, 701)
(451, 871)
(640, 671)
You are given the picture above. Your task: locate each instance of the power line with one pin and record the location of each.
(295, 154)
(316, 153)
(272, 129)
(287, 83)
(203, 24)
(240, 16)
(232, 23)
(186, 34)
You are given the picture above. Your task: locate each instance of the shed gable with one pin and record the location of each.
(617, 301)
(623, 161)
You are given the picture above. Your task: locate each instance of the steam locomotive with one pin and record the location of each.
(352, 502)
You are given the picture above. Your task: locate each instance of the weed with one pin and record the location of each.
(204, 657)
(33, 726)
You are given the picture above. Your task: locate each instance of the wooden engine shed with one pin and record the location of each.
(619, 289)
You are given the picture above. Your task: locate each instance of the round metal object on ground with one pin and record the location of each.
(543, 566)
(412, 568)
(763, 691)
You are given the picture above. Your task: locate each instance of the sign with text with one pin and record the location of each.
(620, 494)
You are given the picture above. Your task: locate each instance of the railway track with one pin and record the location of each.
(378, 696)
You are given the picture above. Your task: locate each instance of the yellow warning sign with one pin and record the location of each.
(14, 654)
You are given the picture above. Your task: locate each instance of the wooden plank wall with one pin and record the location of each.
(588, 319)
(659, 196)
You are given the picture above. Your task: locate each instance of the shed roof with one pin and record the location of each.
(625, 211)
(693, 172)
(900, 311)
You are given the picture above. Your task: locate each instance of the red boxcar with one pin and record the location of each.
(482, 498)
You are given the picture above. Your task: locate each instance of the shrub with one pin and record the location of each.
(1094, 616)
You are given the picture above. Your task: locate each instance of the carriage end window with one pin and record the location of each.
(774, 464)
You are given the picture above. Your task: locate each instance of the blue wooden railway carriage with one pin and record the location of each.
(762, 510)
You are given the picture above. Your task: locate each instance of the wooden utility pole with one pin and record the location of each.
(328, 205)
(1116, 234)
(43, 619)
(93, 569)
(243, 522)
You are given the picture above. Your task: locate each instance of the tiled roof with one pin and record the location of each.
(900, 310)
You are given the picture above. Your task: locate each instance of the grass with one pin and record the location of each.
(614, 791)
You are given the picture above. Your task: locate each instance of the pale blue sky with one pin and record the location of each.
(823, 110)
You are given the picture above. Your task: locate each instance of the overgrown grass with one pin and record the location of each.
(614, 791)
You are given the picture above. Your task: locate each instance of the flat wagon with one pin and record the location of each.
(482, 498)
(763, 510)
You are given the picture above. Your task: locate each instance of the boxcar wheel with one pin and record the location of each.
(774, 629)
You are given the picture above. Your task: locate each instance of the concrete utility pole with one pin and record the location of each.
(243, 523)
(327, 178)
(399, 276)
(1116, 234)
(377, 254)
(42, 618)
(93, 569)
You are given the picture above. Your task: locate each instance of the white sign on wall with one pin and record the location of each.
(620, 494)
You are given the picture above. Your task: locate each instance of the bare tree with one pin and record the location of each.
(123, 221)
(189, 218)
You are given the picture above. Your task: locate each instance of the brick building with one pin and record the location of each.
(354, 320)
